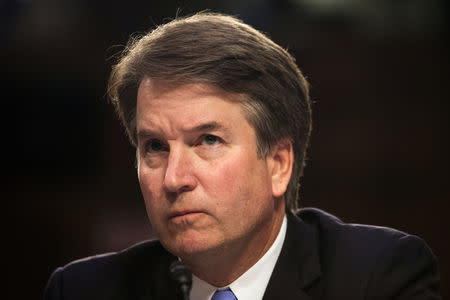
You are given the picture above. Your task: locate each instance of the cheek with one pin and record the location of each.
(232, 183)
(150, 180)
(151, 188)
(227, 175)
(227, 178)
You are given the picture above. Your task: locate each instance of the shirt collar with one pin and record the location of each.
(252, 284)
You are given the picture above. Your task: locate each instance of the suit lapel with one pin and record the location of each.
(298, 265)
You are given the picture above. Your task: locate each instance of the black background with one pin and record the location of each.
(379, 74)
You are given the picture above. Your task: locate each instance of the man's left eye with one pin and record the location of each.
(210, 139)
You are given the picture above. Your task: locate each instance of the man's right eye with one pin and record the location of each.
(154, 146)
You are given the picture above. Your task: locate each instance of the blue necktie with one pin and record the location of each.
(224, 295)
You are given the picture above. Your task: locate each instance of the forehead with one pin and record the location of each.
(162, 103)
(156, 89)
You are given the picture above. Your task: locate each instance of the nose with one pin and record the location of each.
(179, 175)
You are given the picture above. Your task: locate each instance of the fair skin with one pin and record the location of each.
(210, 200)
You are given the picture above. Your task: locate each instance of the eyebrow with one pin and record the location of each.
(209, 126)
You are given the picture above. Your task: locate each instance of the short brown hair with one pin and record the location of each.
(222, 51)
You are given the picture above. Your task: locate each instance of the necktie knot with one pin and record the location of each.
(226, 294)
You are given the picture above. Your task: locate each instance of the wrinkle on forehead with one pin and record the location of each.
(157, 88)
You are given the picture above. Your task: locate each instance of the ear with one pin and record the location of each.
(283, 160)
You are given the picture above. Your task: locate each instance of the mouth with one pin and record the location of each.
(184, 213)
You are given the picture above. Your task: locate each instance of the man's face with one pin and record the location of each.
(204, 187)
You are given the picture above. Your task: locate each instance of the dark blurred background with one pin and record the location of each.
(379, 74)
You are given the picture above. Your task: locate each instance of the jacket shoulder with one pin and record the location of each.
(382, 261)
(147, 250)
(109, 275)
(333, 228)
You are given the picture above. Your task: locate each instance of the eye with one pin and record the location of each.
(154, 146)
(210, 139)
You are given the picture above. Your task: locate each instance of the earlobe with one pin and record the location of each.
(283, 160)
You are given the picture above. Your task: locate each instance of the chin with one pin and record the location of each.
(190, 247)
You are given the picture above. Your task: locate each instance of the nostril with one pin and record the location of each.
(185, 188)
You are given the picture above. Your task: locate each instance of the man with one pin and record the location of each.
(220, 117)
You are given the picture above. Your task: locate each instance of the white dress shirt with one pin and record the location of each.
(252, 284)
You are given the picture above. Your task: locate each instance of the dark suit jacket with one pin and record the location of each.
(321, 258)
